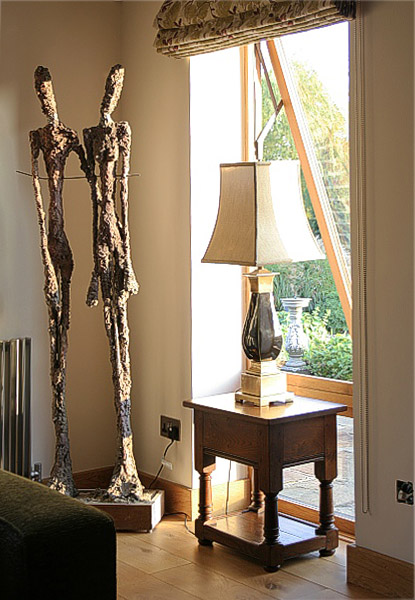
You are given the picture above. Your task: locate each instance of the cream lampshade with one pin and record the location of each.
(248, 233)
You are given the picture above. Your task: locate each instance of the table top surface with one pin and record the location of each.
(300, 408)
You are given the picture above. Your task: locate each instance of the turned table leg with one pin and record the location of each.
(326, 513)
(205, 505)
(271, 528)
(271, 531)
(204, 464)
(270, 481)
(257, 497)
(325, 472)
(326, 507)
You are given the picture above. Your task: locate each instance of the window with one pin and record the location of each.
(215, 116)
(309, 72)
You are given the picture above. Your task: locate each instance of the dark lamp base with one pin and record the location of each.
(263, 383)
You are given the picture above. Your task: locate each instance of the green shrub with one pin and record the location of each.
(315, 325)
(329, 355)
(284, 321)
(311, 279)
(331, 358)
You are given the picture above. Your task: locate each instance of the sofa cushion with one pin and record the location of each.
(56, 546)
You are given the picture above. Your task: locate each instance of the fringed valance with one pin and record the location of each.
(196, 27)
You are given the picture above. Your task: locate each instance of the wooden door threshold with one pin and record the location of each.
(345, 526)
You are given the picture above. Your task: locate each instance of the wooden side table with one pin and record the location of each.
(268, 439)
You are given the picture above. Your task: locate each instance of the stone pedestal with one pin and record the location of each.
(296, 341)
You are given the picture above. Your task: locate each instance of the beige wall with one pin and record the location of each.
(156, 103)
(389, 85)
(78, 41)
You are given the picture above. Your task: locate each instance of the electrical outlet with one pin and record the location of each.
(170, 428)
(404, 492)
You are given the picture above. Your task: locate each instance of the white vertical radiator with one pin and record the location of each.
(15, 406)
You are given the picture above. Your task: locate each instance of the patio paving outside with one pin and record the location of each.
(301, 486)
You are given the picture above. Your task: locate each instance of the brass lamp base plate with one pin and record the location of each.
(282, 398)
(268, 384)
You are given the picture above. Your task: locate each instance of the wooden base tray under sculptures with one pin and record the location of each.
(142, 515)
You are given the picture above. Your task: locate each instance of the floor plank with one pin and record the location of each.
(208, 585)
(326, 573)
(169, 563)
(285, 586)
(133, 585)
(146, 557)
(340, 556)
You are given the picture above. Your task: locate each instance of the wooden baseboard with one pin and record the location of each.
(178, 498)
(379, 573)
(93, 478)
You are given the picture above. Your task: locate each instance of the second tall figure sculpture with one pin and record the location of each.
(108, 145)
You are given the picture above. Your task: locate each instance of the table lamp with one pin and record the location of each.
(248, 232)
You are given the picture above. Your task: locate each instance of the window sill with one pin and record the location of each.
(300, 511)
(332, 390)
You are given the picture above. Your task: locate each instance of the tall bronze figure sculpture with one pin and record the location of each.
(55, 142)
(108, 145)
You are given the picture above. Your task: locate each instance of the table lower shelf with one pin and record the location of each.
(244, 532)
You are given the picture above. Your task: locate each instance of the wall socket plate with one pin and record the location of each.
(170, 428)
(404, 492)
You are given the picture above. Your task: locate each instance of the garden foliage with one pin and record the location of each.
(329, 355)
(330, 346)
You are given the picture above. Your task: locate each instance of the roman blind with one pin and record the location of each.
(196, 27)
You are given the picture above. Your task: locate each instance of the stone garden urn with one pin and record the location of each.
(296, 341)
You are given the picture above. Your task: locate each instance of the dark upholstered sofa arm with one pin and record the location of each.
(53, 547)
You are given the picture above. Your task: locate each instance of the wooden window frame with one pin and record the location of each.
(332, 390)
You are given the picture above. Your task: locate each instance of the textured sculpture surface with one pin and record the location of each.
(108, 144)
(55, 142)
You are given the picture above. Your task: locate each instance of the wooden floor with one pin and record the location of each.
(169, 564)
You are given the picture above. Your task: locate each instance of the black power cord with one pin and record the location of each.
(161, 466)
(227, 488)
(186, 516)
